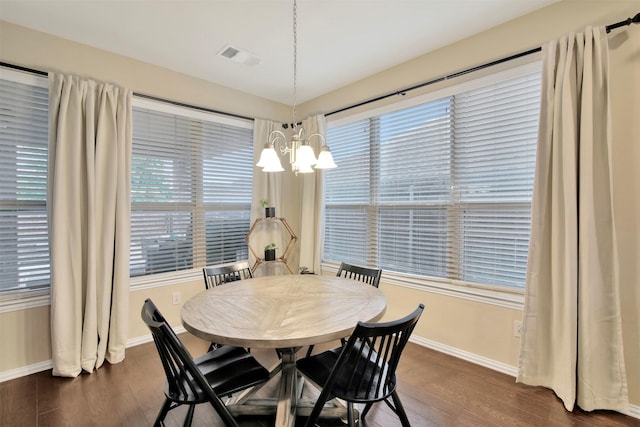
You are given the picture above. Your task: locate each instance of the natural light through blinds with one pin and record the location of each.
(190, 189)
(24, 247)
(440, 189)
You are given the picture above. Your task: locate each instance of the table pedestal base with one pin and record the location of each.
(289, 404)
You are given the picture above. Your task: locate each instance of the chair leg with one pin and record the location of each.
(350, 416)
(317, 408)
(400, 410)
(163, 413)
(309, 350)
(189, 419)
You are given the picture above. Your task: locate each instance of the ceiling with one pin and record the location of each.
(339, 41)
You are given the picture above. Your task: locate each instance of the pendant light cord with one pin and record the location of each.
(295, 61)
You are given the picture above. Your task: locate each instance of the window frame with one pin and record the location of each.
(36, 296)
(197, 207)
(41, 296)
(503, 296)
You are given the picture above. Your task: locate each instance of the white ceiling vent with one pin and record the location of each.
(238, 55)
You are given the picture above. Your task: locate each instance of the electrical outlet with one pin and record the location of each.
(177, 297)
(517, 328)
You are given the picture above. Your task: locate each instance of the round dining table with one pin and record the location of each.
(285, 313)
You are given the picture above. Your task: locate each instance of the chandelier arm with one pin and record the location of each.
(324, 141)
(276, 137)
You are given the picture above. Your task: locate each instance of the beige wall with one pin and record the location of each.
(24, 335)
(27, 331)
(487, 330)
(21, 46)
(480, 329)
(625, 97)
(469, 326)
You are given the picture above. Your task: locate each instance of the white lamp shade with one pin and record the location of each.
(325, 159)
(269, 161)
(264, 155)
(305, 157)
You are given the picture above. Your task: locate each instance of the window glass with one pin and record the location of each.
(440, 189)
(191, 189)
(24, 247)
(191, 184)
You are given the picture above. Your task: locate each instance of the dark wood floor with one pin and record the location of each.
(436, 389)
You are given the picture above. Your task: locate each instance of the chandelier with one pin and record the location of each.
(301, 155)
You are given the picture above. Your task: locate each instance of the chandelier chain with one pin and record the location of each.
(295, 60)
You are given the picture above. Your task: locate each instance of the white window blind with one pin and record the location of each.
(191, 190)
(494, 159)
(24, 248)
(440, 189)
(348, 217)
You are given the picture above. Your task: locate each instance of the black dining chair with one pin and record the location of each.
(361, 274)
(364, 369)
(215, 276)
(222, 372)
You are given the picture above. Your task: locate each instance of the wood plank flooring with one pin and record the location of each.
(436, 390)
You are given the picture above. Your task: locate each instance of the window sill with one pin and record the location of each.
(25, 300)
(512, 299)
(164, 279)
(42, 297)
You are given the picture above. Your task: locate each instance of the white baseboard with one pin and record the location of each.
(465, 355)
(25, 370)
(634, 410)
(48, 364)
(132, 342)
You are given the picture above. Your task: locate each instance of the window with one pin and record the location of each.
(191, 184)
(191, 180)
(439, 188)
(24, 247)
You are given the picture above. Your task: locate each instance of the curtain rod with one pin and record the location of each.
(181, 104)
(624, 23)
(139, 95)
(437, 80)
(628, 21)
(608, 28)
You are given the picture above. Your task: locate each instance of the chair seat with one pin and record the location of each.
(218, 357)
(236, 372)
(362, 370)
(190, 381)
(318, 368)
(227, 369)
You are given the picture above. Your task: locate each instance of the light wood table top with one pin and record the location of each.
(286, 313)
(282, 311)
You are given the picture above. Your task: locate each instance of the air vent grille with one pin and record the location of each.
(238, 55)
(229, 52)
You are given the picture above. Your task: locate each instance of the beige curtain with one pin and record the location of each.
(572, 334)
(89, 222)
(311, 227)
